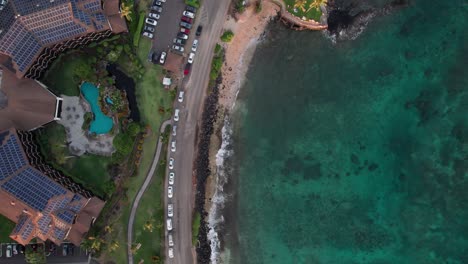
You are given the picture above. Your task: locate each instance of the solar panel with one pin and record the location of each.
(27, 231)
(12, 157)
(33, 188)
(21, 222)
(59, 233)
(66, 216)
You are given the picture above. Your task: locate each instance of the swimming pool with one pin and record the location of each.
(101, 124)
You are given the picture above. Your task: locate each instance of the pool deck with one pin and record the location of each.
(73, 110)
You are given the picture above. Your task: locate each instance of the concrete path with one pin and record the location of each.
(142, 190)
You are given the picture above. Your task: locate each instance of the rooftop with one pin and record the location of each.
(40, 206)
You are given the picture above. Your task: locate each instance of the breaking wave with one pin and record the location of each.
(215, 218)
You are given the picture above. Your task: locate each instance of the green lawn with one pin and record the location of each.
(60, 78)
(150, 97)
(151, 209)
(88, 170)
(6, 226)
(305, 11)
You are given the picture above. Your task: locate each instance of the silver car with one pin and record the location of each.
(170, 192)
(170, 210)
(171, 163)
(171, 178)
(173, 146)
(169, 224)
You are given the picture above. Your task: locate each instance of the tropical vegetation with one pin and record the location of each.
(309, 9)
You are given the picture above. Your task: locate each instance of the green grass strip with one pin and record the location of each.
(137, 34)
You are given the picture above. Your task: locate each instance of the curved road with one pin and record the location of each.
(142, 190)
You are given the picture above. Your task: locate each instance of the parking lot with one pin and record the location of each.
(66, 253)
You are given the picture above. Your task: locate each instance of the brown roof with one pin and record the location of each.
(28, 104)
(111, 7)
(117, 23)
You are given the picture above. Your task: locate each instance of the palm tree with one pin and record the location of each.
(156, 259)
(148, 226)
(126, 11)
(114, 245)
(108, 229)
(300, 4)
(316, 4)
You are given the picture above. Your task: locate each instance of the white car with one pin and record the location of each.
(162, 59)
(174, 131)
(195, 45)
(188, 14)
(154, 15)
(170, 240)
(170, 192)
(170, 210)
(171, 178)
(173, 146)
(191, 57)
(9, 252)
(148, 35)
(171, 163)
(151, 21)
(181, 96)
(176, 115)
(178, 48)
(170, 253)
(169, 224)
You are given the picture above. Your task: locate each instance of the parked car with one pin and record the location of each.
(170, 240)
(178, 48)
(191, 9)
(191, 57)
(195, 45)
(9, 251)
(149, 28)
(187, 19)
(174, 130)
(170, 192)
(176, 115)
(185, 25)
(162, 59)
(15, 251)
(157, 3)
(148, 35)
(151, 21)
(199, 30)
(182, 35)
(181, 96)
(185, 31)
(187, 68)
(170, 210)
(170, 253)
(171, 178)
(158, 9)
(154, 15)
(188, 14)
(169, 224)
(179, 41)
(171, 163)
(173, 146)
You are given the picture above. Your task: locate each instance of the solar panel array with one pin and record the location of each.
(59, 233)
(21, 222)
(66, 216)
(27, 231)
(45, 22)
(12, 158)
(33, 188)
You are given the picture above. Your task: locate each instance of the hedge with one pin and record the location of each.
(137, 34)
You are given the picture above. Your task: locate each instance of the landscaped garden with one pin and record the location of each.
(305, 9)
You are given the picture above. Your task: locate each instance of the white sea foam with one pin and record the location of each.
(215, 218)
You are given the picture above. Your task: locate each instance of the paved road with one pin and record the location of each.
(212, 16)
(142, 190)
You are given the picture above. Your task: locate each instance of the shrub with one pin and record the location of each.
(240, 7)
(258, 6)
(137, 33)
(217, 48)
(123, 143)
(227, 36)
(194, 3)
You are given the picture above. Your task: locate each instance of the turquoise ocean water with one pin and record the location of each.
(354, 152)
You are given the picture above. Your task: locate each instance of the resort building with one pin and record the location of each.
(42, 202)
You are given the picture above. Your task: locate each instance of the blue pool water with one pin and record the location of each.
(101, 124)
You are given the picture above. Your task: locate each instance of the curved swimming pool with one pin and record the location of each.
(101, 124)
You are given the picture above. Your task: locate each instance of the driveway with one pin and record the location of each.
(211, 15)
(75, 255)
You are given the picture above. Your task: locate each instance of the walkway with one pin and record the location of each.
(142, 190)
(296, 21)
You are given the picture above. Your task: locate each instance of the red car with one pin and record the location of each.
(185, 31)
(187, 69)
(187, 19)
